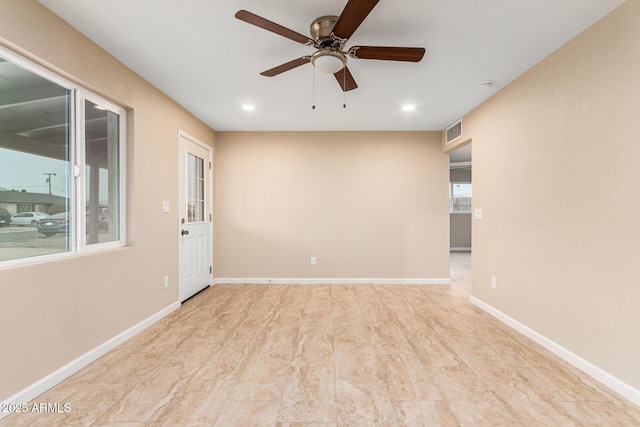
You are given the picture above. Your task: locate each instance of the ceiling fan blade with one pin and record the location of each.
(352, 16)
(286, 66)
(388, 53)
(263, 23)
(345, 80)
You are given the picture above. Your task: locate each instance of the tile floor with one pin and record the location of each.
(332, 355)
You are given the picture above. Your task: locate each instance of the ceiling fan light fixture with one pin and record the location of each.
(328, 61)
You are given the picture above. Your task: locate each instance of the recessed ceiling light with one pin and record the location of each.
(248, 107)
(486, 85)
(408, 107)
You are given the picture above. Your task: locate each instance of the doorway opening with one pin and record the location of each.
(460, 219)
(460, 196)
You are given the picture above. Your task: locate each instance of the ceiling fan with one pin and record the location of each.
(329, 34)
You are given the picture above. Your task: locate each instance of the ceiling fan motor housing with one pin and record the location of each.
(321, 32)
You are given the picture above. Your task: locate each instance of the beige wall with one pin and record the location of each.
(366, 204)
(56, 311)
(556, 167)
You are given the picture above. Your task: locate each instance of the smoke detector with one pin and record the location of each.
(486, 85)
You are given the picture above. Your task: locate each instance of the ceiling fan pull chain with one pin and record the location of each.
(344, 86)
(313, 90)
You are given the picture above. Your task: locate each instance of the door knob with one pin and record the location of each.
(185, 232)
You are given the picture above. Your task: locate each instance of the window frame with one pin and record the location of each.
(77, 179)
(81, 95)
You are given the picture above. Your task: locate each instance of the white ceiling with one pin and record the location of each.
(200, 55)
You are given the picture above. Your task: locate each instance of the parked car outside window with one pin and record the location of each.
(58, 223)
(28, 218)
(5, 218)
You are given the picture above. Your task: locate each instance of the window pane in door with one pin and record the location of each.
(195, 190)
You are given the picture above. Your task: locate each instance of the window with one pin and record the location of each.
(25, 207)
(102, 176)
(61, 157)
(195, 202)
(460, 197)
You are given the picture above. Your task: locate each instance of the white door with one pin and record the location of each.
(195, 218)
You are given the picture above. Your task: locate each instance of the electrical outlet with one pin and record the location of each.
(165, 282)
(494, 282)
(314, 260)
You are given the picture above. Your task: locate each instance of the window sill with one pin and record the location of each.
(62, 256)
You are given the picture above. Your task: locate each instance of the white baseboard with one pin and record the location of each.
(332, 281)
(56, 377)
(623, 389)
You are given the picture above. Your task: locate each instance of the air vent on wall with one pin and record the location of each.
(454, 131)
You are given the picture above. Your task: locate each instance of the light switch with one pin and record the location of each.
(477, 214)
(165, 206)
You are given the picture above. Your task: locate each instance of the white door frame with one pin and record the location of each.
(208, 208)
